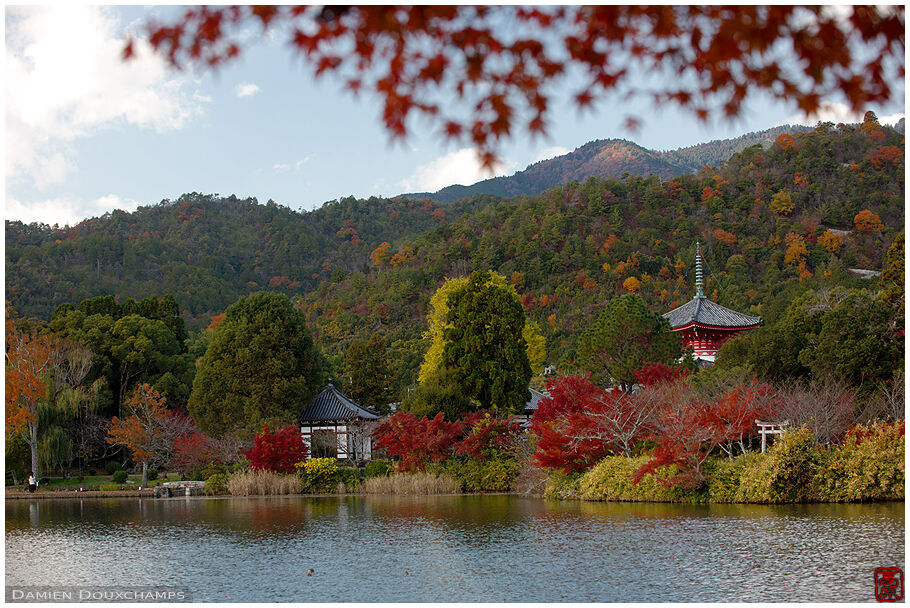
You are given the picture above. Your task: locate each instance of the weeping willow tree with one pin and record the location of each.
(66, 403)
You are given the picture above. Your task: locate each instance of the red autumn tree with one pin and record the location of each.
(417, 441)
(582, 423)
(658, 373)
(278, 451)
(142, 432)
(565, 395)
(458, 66)
(194, 450)
(733, 414)
(686, 433)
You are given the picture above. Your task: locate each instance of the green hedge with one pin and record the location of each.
(216, 484)
(493, 475)
(379, 468)
(784, 473)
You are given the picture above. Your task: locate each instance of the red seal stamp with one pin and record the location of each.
(889, 584)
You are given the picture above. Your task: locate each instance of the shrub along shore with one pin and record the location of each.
(867, 466)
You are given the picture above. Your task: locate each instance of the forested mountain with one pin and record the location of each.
(610, 158)
(206, 250)
(773, 223)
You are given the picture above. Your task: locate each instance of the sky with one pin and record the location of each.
(87, 133)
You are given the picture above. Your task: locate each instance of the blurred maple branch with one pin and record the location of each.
(480, 70)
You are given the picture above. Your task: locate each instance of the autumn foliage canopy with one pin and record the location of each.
(415, 442)
(580, 423)
(28, 359)
(483, 72)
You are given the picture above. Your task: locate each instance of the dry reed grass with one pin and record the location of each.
(256, 482)
(411, 483)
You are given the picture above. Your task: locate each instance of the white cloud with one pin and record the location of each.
(551, 152)
(110, 202)
(890, 119)
(65, 211)
(460, 167)
(65, 80)
(828, 112)
(247, 89)
(838, 113)
(281, 167)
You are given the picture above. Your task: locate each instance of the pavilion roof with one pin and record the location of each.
(534, 401)
(331, 404)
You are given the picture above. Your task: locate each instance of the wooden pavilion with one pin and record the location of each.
(333, 426)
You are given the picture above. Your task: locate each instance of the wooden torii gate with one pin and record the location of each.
(769, 428)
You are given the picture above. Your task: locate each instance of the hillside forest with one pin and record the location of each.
(806, 233)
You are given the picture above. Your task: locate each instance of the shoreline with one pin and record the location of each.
(150, 493)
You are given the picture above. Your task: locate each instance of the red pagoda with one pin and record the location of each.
(705, 325)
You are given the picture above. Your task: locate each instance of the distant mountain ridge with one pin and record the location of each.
(607, 158)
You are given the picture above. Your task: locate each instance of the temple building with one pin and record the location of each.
(333, 426)
(705, 325)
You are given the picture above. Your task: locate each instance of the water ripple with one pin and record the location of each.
(461, 548)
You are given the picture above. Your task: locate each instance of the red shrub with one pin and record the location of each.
(277, 451)
(487, 436)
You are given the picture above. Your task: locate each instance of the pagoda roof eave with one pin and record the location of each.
(717, 327)
(703, 312)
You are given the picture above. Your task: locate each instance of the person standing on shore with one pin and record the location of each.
(32, 483)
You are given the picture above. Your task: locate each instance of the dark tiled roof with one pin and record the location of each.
(330, 404)
(534, 401)
(705, 312)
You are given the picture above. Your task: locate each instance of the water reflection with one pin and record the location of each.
(456, 548)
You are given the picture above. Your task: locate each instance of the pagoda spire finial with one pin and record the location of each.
(699, 276)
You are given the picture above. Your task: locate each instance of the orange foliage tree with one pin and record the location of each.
(460, 67)
(727, 238)
(380, 255)
(143, 431)
(831, 241)
(885, 156)
(785, 141)
(866, 221)
(631, 284)
(796, 249)
(29, 358)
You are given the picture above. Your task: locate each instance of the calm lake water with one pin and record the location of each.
(455, 548)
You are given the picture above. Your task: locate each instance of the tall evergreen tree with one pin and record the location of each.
(260, 369)
(484, 345)
(367, 373)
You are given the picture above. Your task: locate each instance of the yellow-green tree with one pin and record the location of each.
(782, 203)
(436, 318)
